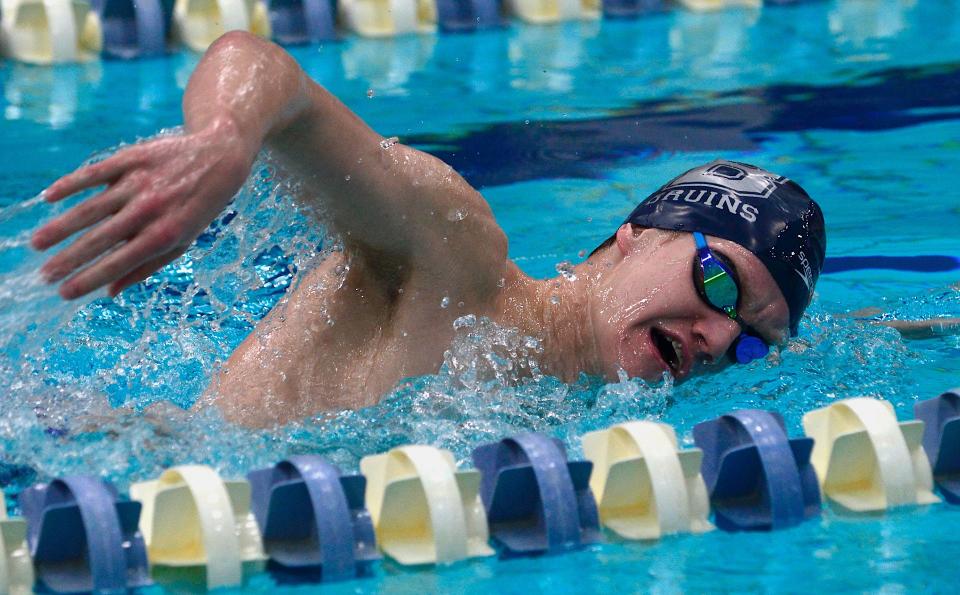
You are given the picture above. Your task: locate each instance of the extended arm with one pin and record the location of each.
(389, 205)
(927, 328)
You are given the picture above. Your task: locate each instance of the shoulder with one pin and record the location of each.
(454, 241)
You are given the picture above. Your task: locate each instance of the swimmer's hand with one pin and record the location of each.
(159, 196)
(405, 213)
(915, 329)
(925, 329)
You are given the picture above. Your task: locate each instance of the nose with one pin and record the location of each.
(715, 333)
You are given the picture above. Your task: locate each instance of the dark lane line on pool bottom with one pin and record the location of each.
(510, 152)
(916, 264)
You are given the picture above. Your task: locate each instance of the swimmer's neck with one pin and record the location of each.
(555, 311)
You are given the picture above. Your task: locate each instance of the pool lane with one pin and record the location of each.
(517, 151)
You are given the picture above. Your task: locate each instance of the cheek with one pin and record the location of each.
(633, 353)
(636, 296)
(665, 295)
(678, 295)
(610, 304)
(629, 303)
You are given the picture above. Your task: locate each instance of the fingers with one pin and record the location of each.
(127, 261)
(92, 175)
(125, 224)
(84, 215)
(145, 270)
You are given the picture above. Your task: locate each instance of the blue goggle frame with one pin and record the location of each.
(719, 287)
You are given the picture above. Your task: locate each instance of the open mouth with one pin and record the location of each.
(671, 350)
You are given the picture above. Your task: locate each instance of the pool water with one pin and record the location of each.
(858, 100)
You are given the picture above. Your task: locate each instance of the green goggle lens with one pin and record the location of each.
(716, 285)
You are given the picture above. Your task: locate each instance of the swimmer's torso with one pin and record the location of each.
(343, 338)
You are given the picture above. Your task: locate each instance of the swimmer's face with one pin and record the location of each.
(648, 317)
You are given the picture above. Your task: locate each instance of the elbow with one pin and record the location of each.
(246, 48)
(254, 57)
(234, 41)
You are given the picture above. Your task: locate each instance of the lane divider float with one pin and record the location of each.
(50, 31)
(83, 537)
(302, 21)
(542, 12)
(194, 521)
(644, 485)
(536, 501)
(758, 477)
(64, 31)
(423, 509)
(865, 460)
(708, 5)
(470, 15)
(386, 18)
(198, 23)
(632, 8)
(313, 519)
(134, 28)
(16, 567)
(941, 440)
(526, 495)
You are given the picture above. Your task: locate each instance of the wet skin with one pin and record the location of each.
(650, 290)
(416, 237)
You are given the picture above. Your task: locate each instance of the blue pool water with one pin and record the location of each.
(859, 100)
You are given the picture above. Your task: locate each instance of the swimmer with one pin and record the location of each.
(714, 268)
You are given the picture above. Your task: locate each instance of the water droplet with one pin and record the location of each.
(526, 122)
(467, 321)
(370, 93)
(589, 219)
(501, 282)
(582, 253)
(339, 269)
(565, 268)
(445, 302)
(554, 299)
(389, 142)
(346, 177)
(330, 322)
(459, 304)
(457, 215)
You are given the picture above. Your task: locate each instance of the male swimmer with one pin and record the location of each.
(714, 267)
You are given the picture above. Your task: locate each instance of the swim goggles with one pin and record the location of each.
(719, 287)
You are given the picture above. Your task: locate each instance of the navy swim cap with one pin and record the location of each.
(767, 214)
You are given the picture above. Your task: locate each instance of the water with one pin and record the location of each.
(857, 99)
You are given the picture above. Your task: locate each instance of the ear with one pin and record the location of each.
(628, 238)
